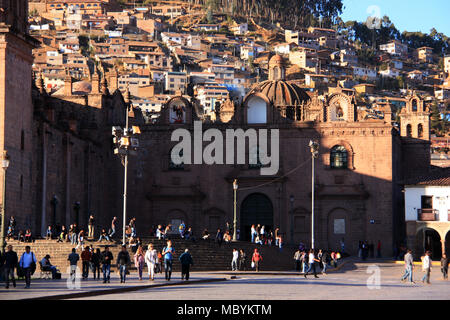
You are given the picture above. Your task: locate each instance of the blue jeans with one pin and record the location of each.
(325, 266)
(311, 266)
(106, 272)
(112, 232)
(123, 272)
(103, 237)
(73, 239)
(303, 267)
(253, 237)
(408, 274)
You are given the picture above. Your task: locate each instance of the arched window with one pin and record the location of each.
(420, 131)
(408, 131)
(339, 157)
(414, 105)
(256, 110)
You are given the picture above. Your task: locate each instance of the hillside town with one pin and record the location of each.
(160, 49)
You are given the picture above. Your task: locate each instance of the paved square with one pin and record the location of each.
(349, 283)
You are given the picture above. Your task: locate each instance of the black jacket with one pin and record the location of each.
(107, 254)
(123, 258)
(10, 259)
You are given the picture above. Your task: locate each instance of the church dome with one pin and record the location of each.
(276, 59)
(281, 93)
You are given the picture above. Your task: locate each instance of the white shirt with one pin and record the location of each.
(26, 259)
(235, 255)
(151, 256)
(311, 258)
(426, 262)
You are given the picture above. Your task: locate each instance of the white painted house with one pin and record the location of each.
(427, 209)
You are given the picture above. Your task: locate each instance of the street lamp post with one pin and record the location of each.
(291, 200)
(235, 187)
(5, 165)
(126, 144)
(314, 147)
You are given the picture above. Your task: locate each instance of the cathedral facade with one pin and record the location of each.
(358, 174)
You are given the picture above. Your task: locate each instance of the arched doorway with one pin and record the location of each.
(429, 239)
(255, 209)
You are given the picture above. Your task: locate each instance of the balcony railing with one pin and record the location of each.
(427, 215)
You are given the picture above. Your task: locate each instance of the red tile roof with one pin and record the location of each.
(438, 177)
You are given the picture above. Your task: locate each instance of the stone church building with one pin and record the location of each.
(358, 175)
(63, 167)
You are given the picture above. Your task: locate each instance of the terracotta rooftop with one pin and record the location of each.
(438, 177)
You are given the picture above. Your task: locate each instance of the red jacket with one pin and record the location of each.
(86, 255)
(256, 256)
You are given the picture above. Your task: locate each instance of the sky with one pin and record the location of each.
(407, 15)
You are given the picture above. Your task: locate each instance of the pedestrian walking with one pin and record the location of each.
(113, 228)
(10, 261)
(123, 260)
(234, 260)
(151, 259)
(444, 266)
(139, 261)
(186, 262)
(256, 259)
(409, 266)
(107, 257)
(242, 260)
(73, 260)
(426, 267)
(168, 253)
(86, 256)
(95, 262)
(304, 259)
(312, 263)
(325, 261)
(91, 223)
(297, 260)
(28, 264)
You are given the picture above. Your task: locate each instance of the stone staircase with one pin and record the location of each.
(207, 255)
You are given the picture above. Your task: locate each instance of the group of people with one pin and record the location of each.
(306, 260)
(426, 267)
(260, 235)
(76, 235)
(367, 250)
(97, 260)
(239, 260)
(22, 236)
(26, 265)
(164, 232)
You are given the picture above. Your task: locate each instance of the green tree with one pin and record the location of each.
(435, 120)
